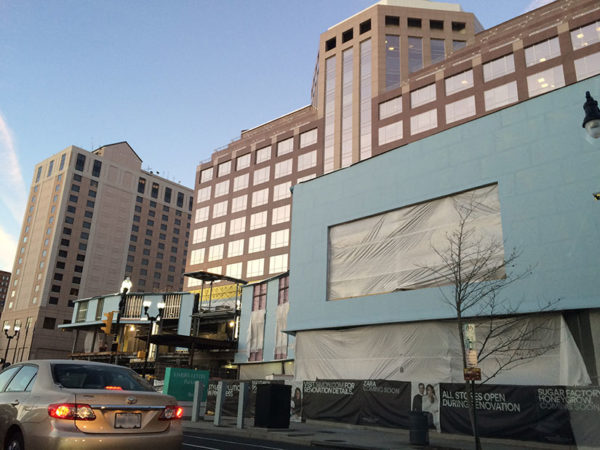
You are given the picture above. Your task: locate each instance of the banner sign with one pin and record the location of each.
(232, 395)
(369, 402)
(552, 414)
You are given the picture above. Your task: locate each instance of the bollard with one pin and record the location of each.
(242, 403)
(221, 390)
(198, 388)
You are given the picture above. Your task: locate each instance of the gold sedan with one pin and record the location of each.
(64, 404)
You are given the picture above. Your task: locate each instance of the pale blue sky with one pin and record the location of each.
(176, 79)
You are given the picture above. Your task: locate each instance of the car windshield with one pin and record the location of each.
(79, 376)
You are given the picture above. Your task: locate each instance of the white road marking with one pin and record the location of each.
(229, 442)
(199, 446)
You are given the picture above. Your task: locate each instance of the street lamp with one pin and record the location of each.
(9, 337)
(152, 319)
(591, 122)
(125, 287)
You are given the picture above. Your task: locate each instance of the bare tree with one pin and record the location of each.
(478, 270)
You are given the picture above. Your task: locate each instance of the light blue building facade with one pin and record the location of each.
(545, 168)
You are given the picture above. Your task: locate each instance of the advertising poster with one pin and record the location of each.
(296, 402)
(425, 397)
(385, 403)
(335, 400)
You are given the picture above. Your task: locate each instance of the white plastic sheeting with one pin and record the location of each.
(256, 330)
(430, 350)
(394, 250)
(281, 339)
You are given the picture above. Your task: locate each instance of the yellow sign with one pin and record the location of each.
(218, 292)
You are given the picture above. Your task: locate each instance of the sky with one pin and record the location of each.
(175, 79)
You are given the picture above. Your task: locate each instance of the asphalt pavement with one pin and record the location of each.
(333, 435)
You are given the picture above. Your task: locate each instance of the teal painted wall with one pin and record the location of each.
(546, 168)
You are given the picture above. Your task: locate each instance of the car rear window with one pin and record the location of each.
(79, 376)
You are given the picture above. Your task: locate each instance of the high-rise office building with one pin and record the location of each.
(4, 283)
(241, 219)
(392, 74)
(92, 218)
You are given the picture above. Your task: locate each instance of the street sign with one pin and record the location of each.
(180, 383)
(472, 373)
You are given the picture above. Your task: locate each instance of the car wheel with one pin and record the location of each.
(15, 442)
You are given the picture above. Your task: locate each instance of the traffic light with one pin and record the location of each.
(107, 322)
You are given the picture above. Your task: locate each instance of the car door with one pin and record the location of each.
(18, 392)
(7, 411)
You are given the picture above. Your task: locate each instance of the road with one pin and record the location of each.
(192, 441)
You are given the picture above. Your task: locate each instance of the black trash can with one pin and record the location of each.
(419, 428)
(273, 405)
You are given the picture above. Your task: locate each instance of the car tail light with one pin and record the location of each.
(71, 411)
(113, 388)
(171, 412)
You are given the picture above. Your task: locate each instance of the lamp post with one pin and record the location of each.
(591, 122)
(125, 287)
(152, 319)
(9, 337)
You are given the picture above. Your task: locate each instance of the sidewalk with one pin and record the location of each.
(344, 436)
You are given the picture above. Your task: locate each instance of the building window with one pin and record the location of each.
(423, 122)
(307, 160)
(415, 54)
(392, 61)
(422, 96)
(365, 99)
(390, 108)
(240, 182)
(283, 168)
(308, 138)
(263, 154)
(256, 243)
(258, 220)
(141, 185)
(202, 214)
(278, 264)
(545, 81)
(260, 198)
(243, 161)
(197, 256)
(347, 86)
(281, 191)
(255, 268)
(390, 133)
(365, 26)
(261, 175)
(280, 238)
(330, 44)
(224, 169)
(222, 188)
(498, 67)
(154, 191)
(234, 270)
(438, 52)
(215, 252)
(459, 82)
(217, 230)
(96, 168)
(168, 193)
(80, 162)
(587, 66)
(206, 175)
(457, 45)
(347, 35)
(329, 136)
(220, 209)
(49, 323)
(235, 248)
(50, 167)
(281, 214)
(204, 194)
(542, 51)
(284, 285)
(501, 96)
(239, 203)
(586, 35)
(285, 147)
(237, 226)
(460, 109)
(39, 174)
